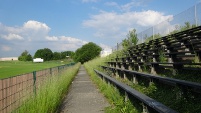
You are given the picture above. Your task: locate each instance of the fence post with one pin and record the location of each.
(34, 80)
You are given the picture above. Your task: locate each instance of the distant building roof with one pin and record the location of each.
(8, 58)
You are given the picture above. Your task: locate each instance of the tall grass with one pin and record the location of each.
(49, 95)
(116, 100)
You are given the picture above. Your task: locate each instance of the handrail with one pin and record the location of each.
(172, 81)
(157, 106)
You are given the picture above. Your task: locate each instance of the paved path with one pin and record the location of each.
(83, 96)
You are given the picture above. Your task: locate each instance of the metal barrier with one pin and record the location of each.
(185, 20)
(15, 90)
(148, 103)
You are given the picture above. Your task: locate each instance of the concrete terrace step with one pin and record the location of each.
(83, 96)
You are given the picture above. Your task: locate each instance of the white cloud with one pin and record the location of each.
(72, 40)
(115, 25)
(31, 30)
(52, 38)
(35, 25)
(128, 6)
(12, 37)
(63, 43)
(105, 47)
(31, 36)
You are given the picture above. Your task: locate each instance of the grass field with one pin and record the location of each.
(13, 68)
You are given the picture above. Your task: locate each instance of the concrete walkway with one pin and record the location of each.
(83, 96)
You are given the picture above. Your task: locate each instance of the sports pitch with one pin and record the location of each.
(13, 68)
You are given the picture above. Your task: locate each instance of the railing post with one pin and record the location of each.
(125, 77)
(150, 81)
(145, 109)
(126, 96)
(139, 68)
(34, 82)
(117, 74)
(134, 79)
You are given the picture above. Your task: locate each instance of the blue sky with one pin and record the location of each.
(68, 24)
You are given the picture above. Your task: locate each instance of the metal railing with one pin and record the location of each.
(15, 90)
(191, 16)
(148, 103)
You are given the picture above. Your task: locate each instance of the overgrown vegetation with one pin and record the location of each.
(161, 53)
(131, 39)
(168, 95)
(181, 99)
(50, 94)
(186, 26)
(117, 101)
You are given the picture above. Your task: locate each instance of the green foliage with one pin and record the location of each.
(155, 36)
(62, 55)
(196, 59)
(182, 28)
(67, 53)
(49, 94)
(131, 39)
(56, 56)
(118, 105)
(162, 55)
(25, 56)
(87, 52)
(125, 43)
(45, 54)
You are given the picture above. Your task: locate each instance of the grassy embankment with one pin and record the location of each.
(50, 94)
(13, 68)
(116, 100)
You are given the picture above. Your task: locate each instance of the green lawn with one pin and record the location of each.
(13, 68)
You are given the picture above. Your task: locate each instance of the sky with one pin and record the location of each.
(66, 25)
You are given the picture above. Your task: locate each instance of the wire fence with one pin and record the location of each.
(191, 16)
(15, 90)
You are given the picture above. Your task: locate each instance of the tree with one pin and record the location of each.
(67, 53)
(132, 36)
(125, 43)
(56, 56)
(131, 39)
(25, 56)
(87, 52)
(45, 54)
(29, 58)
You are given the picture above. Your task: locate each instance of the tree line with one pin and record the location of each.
(82, 54)
(45, 54)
